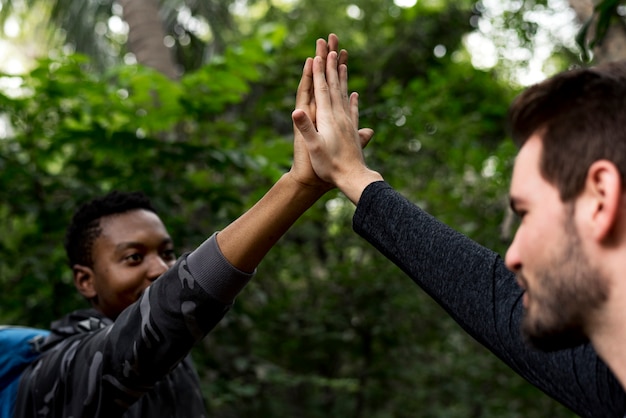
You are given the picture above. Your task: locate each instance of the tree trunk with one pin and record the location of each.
(613, 46)
(146, 36)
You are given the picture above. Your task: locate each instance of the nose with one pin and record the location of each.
(156, 268)
(512, 258)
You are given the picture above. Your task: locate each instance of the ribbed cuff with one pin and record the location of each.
(214, 273)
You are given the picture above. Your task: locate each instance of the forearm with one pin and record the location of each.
(477, 290)
(247, 240)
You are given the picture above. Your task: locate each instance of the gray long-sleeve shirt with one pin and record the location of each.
(474, 286)
(136, 366)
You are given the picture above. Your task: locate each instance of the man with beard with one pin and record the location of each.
(568, 254)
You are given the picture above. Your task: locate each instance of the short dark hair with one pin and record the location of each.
(85, 225)
(581, 117)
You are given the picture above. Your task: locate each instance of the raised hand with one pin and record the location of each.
(301, 170)
(332, 137)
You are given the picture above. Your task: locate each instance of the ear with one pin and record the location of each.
(603, 189)
(84, 281)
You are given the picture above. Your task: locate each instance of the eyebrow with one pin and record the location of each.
(133, 244)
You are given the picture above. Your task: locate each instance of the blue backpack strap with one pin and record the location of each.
(19, 346)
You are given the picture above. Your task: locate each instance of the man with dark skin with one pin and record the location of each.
(129, 249)
(568, 254)
(128, 355)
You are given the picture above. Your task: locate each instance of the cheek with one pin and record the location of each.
(539, 233)
(120, 282)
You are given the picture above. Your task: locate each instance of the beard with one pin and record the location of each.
(568, 289)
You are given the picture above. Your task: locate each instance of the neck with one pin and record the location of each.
(608, 334)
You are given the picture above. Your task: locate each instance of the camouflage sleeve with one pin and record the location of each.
(100, 374)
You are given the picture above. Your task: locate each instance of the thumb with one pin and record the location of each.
(304, 124)
(365, 135)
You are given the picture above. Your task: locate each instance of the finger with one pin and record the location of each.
(320, 86)
(333, 42)
(312, 109)
(333, 45)
(343, 57)
(365, 136)
(321, 48)
(354, 109)
(343, 85)
(332, 78)
(305, 87)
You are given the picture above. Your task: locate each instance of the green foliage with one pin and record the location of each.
(77, 135)
(605, 13)
(449, 150)
(328, 327)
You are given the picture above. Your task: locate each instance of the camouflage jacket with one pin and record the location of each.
(137, 366)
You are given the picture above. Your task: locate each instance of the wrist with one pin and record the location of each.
(315, 189)
(352, 184)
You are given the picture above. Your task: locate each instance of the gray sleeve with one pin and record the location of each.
(214, 273)
(473, 285)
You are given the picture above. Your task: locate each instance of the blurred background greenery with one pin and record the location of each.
(190, 101)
